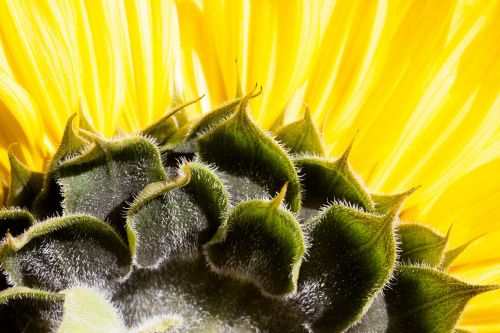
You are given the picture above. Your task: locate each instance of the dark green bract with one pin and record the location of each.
(215, 225)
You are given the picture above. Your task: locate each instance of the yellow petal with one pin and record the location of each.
(41, 56)
(423, 100)
(102, 53)
(471, 205)
(18, 112)
(153, 45)
(274, 43)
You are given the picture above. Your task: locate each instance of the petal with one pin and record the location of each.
(479, 272)
(483, 249)
(102, 54)
(19, 113)
(350, 55)
(273, 42)
(202, 74)
(153, 44)
(41, 56)
(424, 99)
(471, 205)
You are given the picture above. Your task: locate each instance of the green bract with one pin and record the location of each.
(215, 225)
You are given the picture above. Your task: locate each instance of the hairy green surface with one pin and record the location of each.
(338, 183)
(253, 230)
(351, 258)
(239, 147)
(421, 245)
(215, 225)
(426, 300)
(301, 137)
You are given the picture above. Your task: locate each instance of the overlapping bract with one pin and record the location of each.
(230, 231)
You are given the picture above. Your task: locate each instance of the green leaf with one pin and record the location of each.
(101, 180)
(164, 128)
(24, 183)
(30, 310)
(301, 137)
(421, 245)
(65, 251)
(261, 242)
(425, 300)
(350, 259)
(85, 310)
(176, 217)
(48, 201)
(238, 147)
(326, 182)
(15, 222)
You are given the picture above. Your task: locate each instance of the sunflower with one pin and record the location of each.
(418, 81)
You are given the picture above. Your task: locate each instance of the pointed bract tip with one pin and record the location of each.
(276, 202)
(83, 121)
(244, 101)
(307, 114)
(72, 117)
(10, 241)
(73, 127)
(401, 197)
(480, 289)
(184, 174)
(448, 233)
(259, 92)
(413, 189)
(398, 203)
(176, 108)
(252, 92)
(345, 156)
(15, 163)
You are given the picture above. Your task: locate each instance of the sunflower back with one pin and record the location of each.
(215, 224)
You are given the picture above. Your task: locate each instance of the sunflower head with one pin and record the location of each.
(161, 214)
